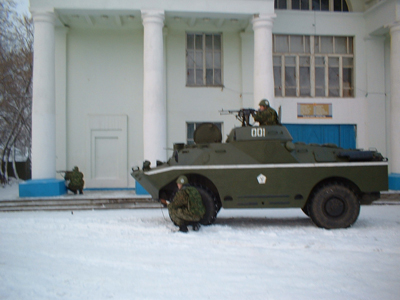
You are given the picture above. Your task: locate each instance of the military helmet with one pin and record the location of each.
(182, 180)
(264, 102)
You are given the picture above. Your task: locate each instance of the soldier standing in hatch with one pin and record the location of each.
(187, 207)
(76, 182)
(266, 115)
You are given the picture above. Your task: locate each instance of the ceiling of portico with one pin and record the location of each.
(133, 20)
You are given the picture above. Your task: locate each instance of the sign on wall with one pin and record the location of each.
(314, 110)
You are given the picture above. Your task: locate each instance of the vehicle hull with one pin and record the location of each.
(270, 185)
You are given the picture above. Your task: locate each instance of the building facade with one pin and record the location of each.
(116, 82)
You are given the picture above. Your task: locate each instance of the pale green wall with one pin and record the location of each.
(105, 76)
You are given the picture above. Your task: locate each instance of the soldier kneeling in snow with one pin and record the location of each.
(187, 207)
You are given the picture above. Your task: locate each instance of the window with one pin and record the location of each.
(191, 127)
(340, 5)
(321, 5)
(313, 66)
(203, 59)
(280, 4)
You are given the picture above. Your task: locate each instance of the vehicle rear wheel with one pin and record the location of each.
(334, 206)
(210, 205)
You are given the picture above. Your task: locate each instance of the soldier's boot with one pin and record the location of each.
(183, 228)
(196, 226)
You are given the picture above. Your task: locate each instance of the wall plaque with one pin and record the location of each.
(314, 110)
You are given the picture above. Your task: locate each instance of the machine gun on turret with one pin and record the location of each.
(243, 115)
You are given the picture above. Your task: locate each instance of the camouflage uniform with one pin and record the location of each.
(266, 117)
(76, 182)
(187, 206)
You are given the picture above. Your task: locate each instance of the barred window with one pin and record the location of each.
(191, 127)
(313, 66)
(204, 59)
(321, 5)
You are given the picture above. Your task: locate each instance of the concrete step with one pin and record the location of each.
(92, 202)
(78, 204)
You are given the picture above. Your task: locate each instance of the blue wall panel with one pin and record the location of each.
(342, 135)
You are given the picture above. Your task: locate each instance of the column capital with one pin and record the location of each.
(45, 16)
(263, 20)
(153, 16)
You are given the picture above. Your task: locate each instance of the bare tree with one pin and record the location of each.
(16, 57)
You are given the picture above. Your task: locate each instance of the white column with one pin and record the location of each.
(43, 101)
(263, 66)
(61, 34)
(154, 99)
(394, 160)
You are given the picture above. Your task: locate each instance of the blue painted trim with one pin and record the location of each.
(140, 190)
(109, 189)
(394, 181)
(42, 188)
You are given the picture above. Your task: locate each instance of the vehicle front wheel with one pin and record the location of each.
(334, 205)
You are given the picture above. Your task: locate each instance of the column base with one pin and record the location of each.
(394, 181)
(140, 190)
(42, 188)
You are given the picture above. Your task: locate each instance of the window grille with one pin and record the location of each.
(318, 5)
(313, 66)
(204, 59)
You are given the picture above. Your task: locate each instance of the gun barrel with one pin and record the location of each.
(228, 112)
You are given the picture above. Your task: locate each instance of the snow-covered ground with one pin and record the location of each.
(247, 254)
(10, 190)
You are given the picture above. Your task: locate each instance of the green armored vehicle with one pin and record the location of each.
(260, 167)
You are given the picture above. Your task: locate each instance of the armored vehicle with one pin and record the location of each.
(261, 167)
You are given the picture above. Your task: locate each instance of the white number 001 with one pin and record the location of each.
(258, 132)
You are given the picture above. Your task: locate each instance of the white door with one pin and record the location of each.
(107, 151)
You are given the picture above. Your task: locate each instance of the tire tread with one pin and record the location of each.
(346, 193)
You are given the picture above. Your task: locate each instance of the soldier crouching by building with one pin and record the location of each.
(74, 180)
(187, 207)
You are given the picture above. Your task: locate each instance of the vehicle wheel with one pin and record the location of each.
(210, 205)
(334, 206)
